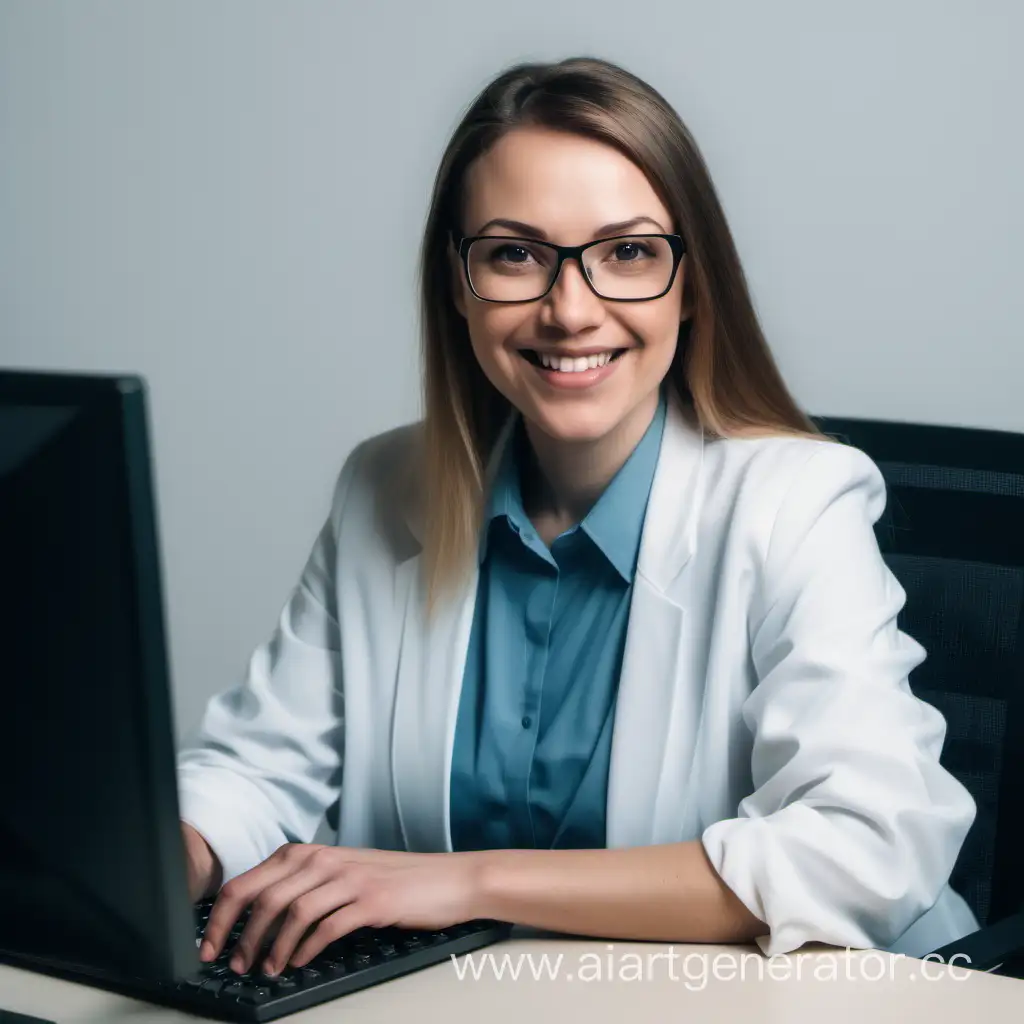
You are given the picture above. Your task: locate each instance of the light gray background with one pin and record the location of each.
(227, 197)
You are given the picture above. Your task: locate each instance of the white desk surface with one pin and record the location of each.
(601, 982)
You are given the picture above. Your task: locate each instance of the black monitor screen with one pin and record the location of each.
(91, 870)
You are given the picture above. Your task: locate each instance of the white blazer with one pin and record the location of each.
(763, 705)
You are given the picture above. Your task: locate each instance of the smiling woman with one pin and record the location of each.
(605, 644)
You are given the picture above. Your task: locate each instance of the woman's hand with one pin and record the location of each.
(334, 890)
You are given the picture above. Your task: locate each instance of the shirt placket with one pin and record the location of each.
(538, 612)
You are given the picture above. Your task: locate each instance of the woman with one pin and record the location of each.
(605, 645)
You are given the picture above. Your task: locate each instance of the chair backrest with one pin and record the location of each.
(953, 535)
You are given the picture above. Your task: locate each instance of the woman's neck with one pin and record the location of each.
(564, 479)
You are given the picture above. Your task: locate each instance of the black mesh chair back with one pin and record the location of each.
(953, 535)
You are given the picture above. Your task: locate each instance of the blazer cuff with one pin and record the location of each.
(240, 841)
(752, 859)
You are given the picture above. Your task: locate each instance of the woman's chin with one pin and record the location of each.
(575, 426)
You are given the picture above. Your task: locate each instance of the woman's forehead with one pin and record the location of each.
(557, 181)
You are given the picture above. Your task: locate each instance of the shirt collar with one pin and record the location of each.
(506, 497)
(614, 524)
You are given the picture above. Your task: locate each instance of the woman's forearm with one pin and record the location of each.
(669, 893)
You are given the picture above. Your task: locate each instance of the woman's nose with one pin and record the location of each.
(571, 304)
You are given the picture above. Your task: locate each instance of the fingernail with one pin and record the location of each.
(206, 950)
(268, 968)
(236, 964)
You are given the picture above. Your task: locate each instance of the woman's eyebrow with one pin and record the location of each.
(529, 230)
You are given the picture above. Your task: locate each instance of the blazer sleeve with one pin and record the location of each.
(853, 827)
(266, 759)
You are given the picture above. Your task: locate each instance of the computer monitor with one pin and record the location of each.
(92, 865)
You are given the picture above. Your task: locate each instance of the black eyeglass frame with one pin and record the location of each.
(567, 252)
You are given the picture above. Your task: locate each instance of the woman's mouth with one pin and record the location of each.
(570, 364)
(566, 371)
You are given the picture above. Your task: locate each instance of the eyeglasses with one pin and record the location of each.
(626, 268)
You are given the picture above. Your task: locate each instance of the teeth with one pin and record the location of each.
(565, 364)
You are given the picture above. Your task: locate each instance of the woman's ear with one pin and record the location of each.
(458, 283)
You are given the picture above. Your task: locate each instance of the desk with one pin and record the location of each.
(596, 982)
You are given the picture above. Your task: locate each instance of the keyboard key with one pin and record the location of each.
(332, 967)
(232, 989)
(308, 975)
(256, 996)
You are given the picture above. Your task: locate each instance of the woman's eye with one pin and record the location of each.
(627, 251)
(511, 253)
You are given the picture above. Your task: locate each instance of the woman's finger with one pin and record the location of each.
(304, 913)
(237, 894)
(333, 927)
(270, 908)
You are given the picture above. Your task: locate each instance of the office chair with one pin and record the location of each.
(953, 535)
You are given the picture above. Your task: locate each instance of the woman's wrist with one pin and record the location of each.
(204, 868)
(493, 881)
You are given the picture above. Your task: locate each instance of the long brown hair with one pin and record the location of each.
(723, 370)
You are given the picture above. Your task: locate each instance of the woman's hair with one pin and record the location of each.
(723, 371)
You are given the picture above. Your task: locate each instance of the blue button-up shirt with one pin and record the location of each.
(534, 729)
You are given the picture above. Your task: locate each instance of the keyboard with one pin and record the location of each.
(362, 958)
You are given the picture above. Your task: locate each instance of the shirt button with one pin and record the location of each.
(527, 721)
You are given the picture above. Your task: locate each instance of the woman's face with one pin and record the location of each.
(567, 189)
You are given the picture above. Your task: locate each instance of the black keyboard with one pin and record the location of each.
(362, 958)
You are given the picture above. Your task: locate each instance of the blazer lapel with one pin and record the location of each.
(431, 666)
(431, 663)
(658, 707)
